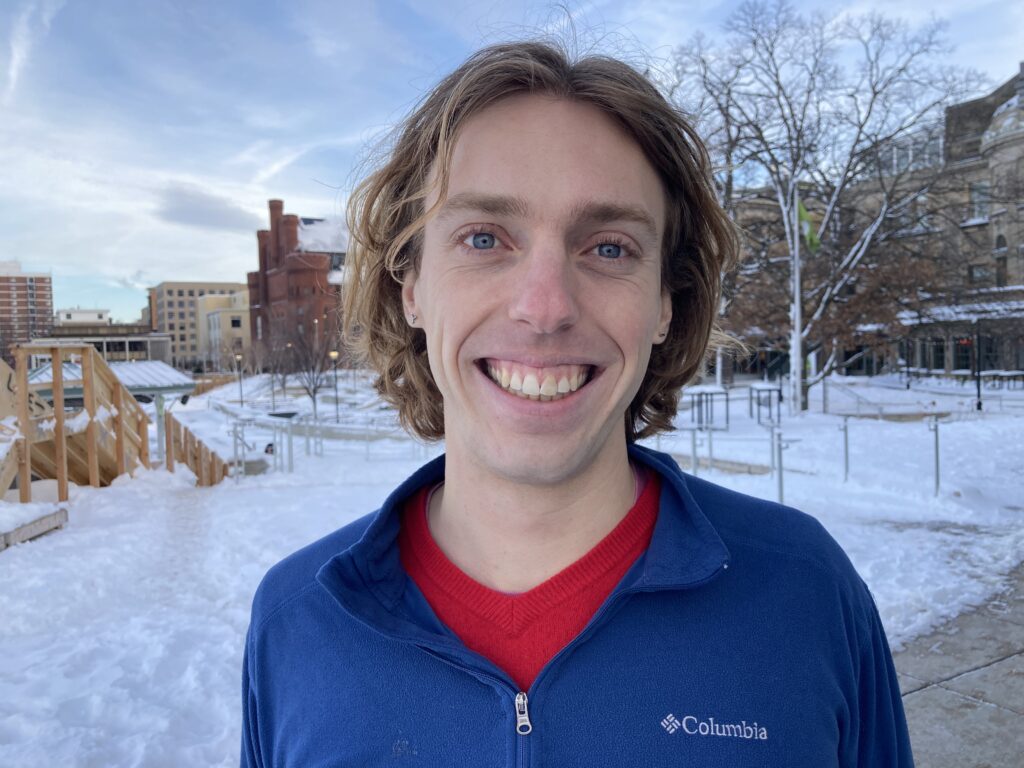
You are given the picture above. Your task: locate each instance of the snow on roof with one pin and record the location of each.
(327, 235)
(1006, 119)
(987, 310)
(137, 376)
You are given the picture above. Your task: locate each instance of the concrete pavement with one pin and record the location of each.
(963, 687)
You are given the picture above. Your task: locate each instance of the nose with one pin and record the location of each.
(544, 290)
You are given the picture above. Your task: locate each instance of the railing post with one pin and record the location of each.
(291, 452)
(142, 429)
(169, 440)
(934, 427)
(25, 426)
(118, 404)
(778, 449)
(695, 460)
(60, 446)
(846, 448)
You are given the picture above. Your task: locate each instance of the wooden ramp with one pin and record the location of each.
(92, 445)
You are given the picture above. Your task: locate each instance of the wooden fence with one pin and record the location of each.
(181, 445)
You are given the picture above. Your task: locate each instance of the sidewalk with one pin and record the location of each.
(963, 687)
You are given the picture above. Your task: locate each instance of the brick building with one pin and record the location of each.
(26, 306)
(295, 292)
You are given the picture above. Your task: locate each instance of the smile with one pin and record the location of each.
(545, 384)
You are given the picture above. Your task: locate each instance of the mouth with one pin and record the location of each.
(545, 384)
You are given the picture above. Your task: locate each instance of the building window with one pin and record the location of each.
(979, 274)
(181, 292)
(979, 199)
(962, 356)
(67, 315)
(191, 292)
(259, 328)
(236, 321)
(1001, 243)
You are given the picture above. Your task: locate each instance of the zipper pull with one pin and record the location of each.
(523, 726)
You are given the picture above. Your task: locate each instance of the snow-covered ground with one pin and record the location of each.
(121, 635)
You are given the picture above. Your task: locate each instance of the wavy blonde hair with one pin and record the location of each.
(386, 217)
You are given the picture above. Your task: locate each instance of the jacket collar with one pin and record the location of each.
(368, 580)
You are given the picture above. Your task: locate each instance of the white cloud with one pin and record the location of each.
(22, 39)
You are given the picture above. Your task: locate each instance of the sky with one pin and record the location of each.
(140, 142)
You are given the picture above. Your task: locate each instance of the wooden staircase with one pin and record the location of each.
(105, 438)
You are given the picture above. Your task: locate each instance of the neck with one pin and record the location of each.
(512, 536)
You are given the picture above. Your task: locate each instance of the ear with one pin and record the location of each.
(665, 318)
(412, 314)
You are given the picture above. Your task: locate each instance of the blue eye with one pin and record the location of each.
(609, 250)
(483, 240)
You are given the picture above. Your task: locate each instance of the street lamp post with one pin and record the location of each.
(238, 364)
(334, 362)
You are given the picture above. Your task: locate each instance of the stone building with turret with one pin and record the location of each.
(296, 290)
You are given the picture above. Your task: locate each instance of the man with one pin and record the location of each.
(534, 273)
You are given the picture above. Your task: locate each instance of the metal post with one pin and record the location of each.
(771, 448)
(337, 415)
(977, 366)
(694, 459)
(778, 443)
(159, 403)
(934, 427)
(306, 432)
(291, 453)
(711, 449)
(846, 448)
(234, 448)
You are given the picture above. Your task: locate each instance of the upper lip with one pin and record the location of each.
(539, 361)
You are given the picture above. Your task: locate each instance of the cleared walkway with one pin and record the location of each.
(963, 687)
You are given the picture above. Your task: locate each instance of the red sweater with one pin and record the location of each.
(521, 632)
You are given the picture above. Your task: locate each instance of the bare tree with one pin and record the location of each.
(311, 360)
(819, 135)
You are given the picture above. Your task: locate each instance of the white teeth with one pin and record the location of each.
(529, 386)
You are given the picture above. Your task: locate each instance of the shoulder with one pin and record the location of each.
(294, 575)
(773, 540)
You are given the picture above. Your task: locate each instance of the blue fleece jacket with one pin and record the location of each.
(742, 637)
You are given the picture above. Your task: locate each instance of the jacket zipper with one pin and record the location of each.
(523, 725)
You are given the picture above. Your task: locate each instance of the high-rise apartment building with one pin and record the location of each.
(26, 306)
(174, 309)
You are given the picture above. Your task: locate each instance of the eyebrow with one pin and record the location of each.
(588, 212)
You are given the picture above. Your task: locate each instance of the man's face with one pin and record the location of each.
(539, 287)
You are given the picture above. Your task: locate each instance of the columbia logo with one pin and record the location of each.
(670, 724)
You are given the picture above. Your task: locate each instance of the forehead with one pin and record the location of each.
(555, 156)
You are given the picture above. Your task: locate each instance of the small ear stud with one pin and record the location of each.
(412, 318)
